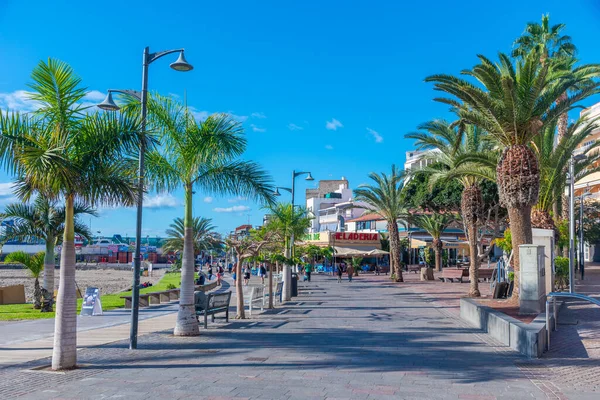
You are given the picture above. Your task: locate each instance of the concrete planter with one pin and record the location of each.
(528, 339)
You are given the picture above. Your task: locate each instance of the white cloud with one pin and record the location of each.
(208, 199)
(8, 200)
(239, 118)
(294, 127)
(197, 114)
(94, 96)
(378, 138)
(161, 201)
(237, 199)
(329, 147)
(257, 129)
(231, 209)
(6, 189)
(18, 101)
(201, 115)
(258, 115)
(333, 125)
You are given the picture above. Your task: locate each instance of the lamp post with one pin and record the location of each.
(108, 104)
(572, 161)
(581, 244)
(287, 271)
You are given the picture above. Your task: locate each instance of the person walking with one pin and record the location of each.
(219, 275)
(340, 271)
(262, 272)
(308, 271)
(350, 271)
(230, 267)
(210, 272)
(246, 276)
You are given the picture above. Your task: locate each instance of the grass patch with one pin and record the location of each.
(11, 312)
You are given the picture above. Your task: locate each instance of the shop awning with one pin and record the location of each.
(417, 244)
(354, 251)
(378, 252)
(455, 244)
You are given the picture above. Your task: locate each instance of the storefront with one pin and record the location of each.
(346, 244)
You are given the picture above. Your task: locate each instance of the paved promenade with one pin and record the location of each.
(365, 340)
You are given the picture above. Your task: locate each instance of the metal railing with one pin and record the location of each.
(554, 295)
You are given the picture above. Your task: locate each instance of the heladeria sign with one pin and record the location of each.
(360, 237)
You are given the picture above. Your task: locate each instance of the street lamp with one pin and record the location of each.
(287, 276)
(572, 161)
(108, 104)
(581, 244)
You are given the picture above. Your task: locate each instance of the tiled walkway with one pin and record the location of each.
(364, 340)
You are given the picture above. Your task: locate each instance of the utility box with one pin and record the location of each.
(545, 237)
(532, 279)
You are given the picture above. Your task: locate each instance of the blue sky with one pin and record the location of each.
(329, 87)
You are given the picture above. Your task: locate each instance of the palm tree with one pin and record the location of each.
(513, 104)
(449, 145)
(552, 47)
(46, 221)
(35, 265)
(435, 224)
(554, 160)
(544, 39)
(287, 222)
(205, 237)
(61, 152)
(205, 156)
(384, 197)
(560, 53)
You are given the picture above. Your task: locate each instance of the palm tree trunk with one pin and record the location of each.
(37, 295)
(64, 354)
(287, 275)
(395, 251)
(437, 253)
(474, 265)
(239, 289)
(48, 282)
(520, 229)
(563, 120)
(186, 324)
(270, 285)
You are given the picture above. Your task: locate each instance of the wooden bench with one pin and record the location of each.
(211, 304)
(164, 296)
(486, 273)
(256, 295)
(416, 268)
(450, 274)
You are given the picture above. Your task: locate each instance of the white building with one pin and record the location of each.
(331, 205)
(416, 160)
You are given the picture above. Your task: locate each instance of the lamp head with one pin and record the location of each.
(309, 177)
(181, 64)
(276, 192)
(108, 104)
(579, 157)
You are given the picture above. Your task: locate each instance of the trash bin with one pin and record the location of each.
(294, 284)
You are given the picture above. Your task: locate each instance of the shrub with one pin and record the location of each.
(561, 272)
(171, 286)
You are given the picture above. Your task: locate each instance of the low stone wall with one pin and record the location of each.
(528, 339)
(207, 287)
(11, 266)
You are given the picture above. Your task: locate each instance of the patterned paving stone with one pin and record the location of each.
(365, 340)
